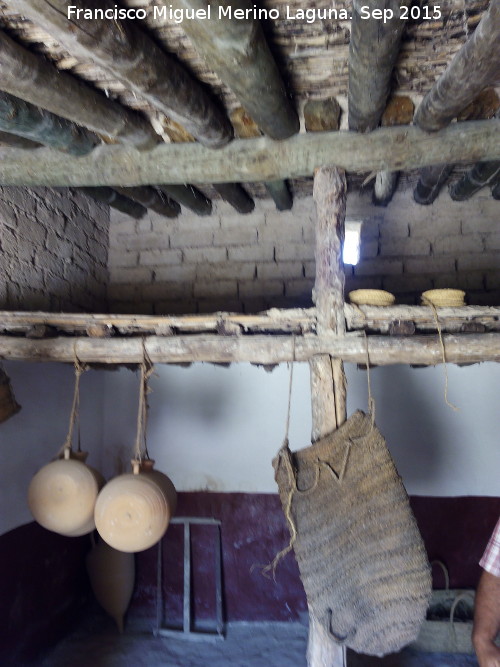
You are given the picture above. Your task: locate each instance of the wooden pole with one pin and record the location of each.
(43, 127)
(328, 389)
(237, 51)
(373, 50)
(479, 176)
(118, 46)
(15, 141)
(151, 198)
(430, 182)
(116, 200)
(258, 349)
(238, 197)
(34, 79)
(472, 69)
(279, 192)
(254, 160)
(495, 190)
(188, 196)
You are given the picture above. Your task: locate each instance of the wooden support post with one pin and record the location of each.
(188, 196)
(472, 69)
(116, 200)
(479, 176)
(328, 391)
(246, 128)
(237, 50)
(255, 160)
(430, 182)
(118, 46)
(43, 127)
(151, 198)
(34, 79)
(235, 195)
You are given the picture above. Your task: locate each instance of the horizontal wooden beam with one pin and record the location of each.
(451, 320)
(258, 349)
(294, 320)
(374, 319)
(136, 60)
(35, 79)
(251, 160)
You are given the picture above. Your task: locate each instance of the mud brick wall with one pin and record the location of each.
(53, 250)
(265, 259)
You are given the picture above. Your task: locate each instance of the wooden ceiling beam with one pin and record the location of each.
(246, 128)
(478, 177)
(430, 182)
(151, 198)
(253, 160)
(188, 196)
(36, 80)
(237, 51)
(116, 200)
(236, 195)
(373, 50)
(473, 68)
(43, 127)
(137, 61)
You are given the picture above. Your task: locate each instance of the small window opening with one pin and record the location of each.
(352, 241)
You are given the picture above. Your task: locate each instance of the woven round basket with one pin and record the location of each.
(451, 298)
(371, 297)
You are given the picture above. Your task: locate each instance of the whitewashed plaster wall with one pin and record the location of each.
(218, 429)
(34, 435)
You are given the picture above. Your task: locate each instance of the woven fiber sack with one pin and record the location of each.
(360, 554)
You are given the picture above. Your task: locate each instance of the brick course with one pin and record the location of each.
(265, 259)
(54, 250)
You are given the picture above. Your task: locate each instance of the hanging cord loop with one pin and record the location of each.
(141, 449)
(371, 400)
(75, 408)
(427, 302)
(285, 458)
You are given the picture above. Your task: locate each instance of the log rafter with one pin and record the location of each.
(253, 160)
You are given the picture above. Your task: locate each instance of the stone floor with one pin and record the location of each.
(96, 643)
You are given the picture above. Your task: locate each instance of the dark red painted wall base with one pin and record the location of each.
(43, 582)
(455, 531)
(43, 587)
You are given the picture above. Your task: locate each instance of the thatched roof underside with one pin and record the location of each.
(313, 59)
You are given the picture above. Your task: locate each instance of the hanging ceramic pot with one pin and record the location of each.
(112, 577)
(132, 512)
(62, 496)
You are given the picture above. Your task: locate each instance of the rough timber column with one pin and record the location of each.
(328, 390)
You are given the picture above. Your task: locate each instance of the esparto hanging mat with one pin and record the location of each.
(360, 554)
